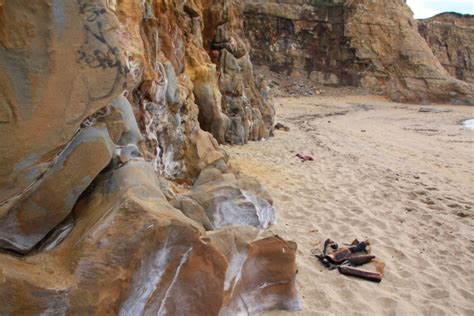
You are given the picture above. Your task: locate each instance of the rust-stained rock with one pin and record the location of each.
(176, 87)
(53, 74)
(261, 274)
(54, 195)
(130, 253)
(99, 100)
(451, 38)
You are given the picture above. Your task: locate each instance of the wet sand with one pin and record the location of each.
(385, 172)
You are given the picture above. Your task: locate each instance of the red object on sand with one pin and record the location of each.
(304, 157)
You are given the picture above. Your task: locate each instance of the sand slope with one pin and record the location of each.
(382, 171)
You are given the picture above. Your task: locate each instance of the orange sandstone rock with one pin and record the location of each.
(451, 38)
(100, 99)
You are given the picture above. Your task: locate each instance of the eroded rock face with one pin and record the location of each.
(261, 272)
(176, 87)
(100, 100)
(129, 253)
(164, 56)
(302, 39)
(221, 199)
(385, 35)
(250, 114)
(451, 38)
(51, 80)
(372, 44)
(52, 198)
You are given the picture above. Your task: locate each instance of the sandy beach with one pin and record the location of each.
(382, 171)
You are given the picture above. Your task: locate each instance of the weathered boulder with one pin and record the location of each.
(130, 253)
(370, 44)
(451, 38)
(218, 200)
(121, 123)
(261, 274)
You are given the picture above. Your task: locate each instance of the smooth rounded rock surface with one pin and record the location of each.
(53, 197)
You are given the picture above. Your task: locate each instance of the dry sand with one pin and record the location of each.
(382, 171)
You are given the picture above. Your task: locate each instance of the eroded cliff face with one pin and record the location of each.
(385, 34)
(451, 38)
(371, 44)
(303, 39)
(175, 85)
(100, 101)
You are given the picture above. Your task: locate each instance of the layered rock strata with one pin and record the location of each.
(369, 44)
(100, 101)
(451, 38)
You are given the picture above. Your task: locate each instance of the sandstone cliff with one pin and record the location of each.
(107, 106)
(372, 44)
(174, 84)
(451, 38)
(101, 105)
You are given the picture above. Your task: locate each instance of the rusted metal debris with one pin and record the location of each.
(346, 258)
